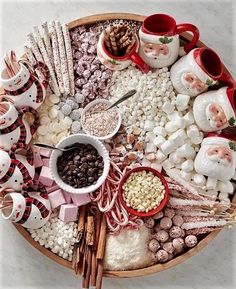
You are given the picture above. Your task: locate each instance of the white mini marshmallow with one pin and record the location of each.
(150, 136)
(182, 101)
(146, 163)
(173, 115)
(223, 196)
(178, 137)
(199, 180)
(189, 118)
(168, 107)
(226, 187)
(159, 140)
(160, 156)
(179, 122)
(150, 148)
(187, 166)
(149, 125)
(192, 131)
(171, 126)
(168, 147)
(156, 166)
(186, 175)
(159, 130)
(211, 183)
(174, 158)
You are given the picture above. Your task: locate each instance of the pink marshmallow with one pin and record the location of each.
(38, 163)
(45, 153)
(45, 177)
(53, 188)
(46, 162)
(67, 197)
(68, 213)
(80, 200)
(56, 199)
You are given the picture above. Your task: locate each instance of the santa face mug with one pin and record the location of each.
(159, 40)
(216, 159)
(25, 88)
(214, 109)
(196, 72)
(32, 211)
(16, 170)
(118, 63)
(15, 131)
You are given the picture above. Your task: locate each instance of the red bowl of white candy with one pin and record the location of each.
(143, 191)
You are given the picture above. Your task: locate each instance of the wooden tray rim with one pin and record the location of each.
(88, 20)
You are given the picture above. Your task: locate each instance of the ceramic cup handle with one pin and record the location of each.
(226, 77)
(34, 112)
(139, 62)
(194, 30)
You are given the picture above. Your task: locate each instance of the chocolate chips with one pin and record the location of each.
(80, 167)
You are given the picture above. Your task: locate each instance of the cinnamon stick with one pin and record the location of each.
(99, 274)
(102, 239)
(90, 231)
(88, 269)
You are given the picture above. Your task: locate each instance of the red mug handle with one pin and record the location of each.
(139, 62)
(36, 124)
(227, 78)
(191, 28)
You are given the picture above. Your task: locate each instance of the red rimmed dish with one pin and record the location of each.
(134, 211)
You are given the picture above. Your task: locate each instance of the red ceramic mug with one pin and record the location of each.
(159, 37)
(118, 63)
(196, 72)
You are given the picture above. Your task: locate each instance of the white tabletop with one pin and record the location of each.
(21, 266)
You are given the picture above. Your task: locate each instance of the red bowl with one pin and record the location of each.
(133, 211)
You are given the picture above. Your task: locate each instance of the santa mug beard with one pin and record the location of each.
(216, 162)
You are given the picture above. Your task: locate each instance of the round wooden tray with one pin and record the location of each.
(185, 37)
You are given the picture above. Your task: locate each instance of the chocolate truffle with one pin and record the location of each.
(178, 220)
(168, 212)
(191, 241)
(162, 256)
(162, 236)
(149, 223)
(166, 223)
(154, 245)
(175, 232)
(178, 244)
(168, 247)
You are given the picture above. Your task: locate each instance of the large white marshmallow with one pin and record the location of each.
(168, 107)
(198, 139)
(182, 101)
(167, 165)
(192, 131)
(150, 148)
(149, 125)
(186, 175)
(159, 130)
(174, 158)
(187, 166)
(159, 140)
(189, 118)
(168, 147)
(156, 166)
(160, 156)
(171, 127)
(186, 151)
(199, 180)
(178, 137)
(226, 187)
(211, 183)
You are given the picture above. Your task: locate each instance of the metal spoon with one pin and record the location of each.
(120, 100)
(42, 145)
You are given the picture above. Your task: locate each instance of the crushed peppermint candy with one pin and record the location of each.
(98, 122)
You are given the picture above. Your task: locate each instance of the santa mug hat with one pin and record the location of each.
(214, 110)
(216, 157)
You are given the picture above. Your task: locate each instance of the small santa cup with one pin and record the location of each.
(216, 158)
(120, 62)
(15, 131)
(214, 110)
(196, 72)
(159, 40)
(26, 88)
(32, 211)
(16, 170)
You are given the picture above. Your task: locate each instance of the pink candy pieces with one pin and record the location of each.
(45, 153)
(45, 177)
(81, 200)
(68, 213)
(45, 162)
(52, 188)
(56, 199)
(67, 197)
(38, 163)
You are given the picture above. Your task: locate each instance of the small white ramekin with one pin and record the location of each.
(91, 104)
(84, 139)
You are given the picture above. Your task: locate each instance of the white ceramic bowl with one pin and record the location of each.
(84, 139)
(91, 104)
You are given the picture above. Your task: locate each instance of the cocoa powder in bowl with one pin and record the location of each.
(80, 167)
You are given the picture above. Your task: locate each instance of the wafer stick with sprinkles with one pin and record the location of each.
(56, 56)
(46, 60)
(107, 41)
(62, 55)
(30, 55)
(69, 56)
(47, 42)
(34, 47)
(113, 42)
(130, 46)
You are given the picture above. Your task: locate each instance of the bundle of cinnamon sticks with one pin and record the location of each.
(119, 40)
(5, 204)
(90, 248)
